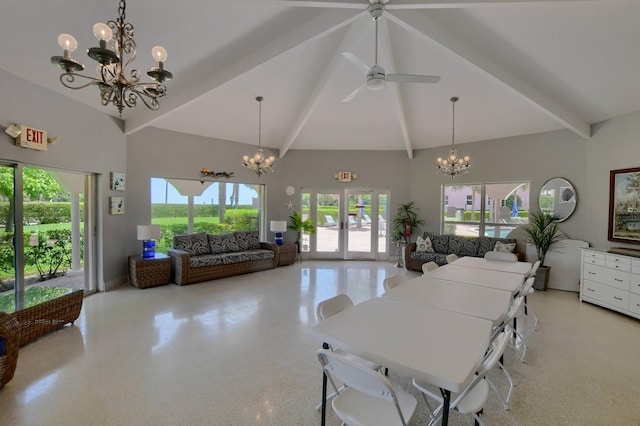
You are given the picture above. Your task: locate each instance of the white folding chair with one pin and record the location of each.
(429, 266)
(393, 281)
(370, 398)
(526, 290)
(452, 257)
(328, 308)
(499, 255)
(473, 399)
(515, 310)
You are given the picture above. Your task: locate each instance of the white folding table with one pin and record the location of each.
(477, 301)
(507, 281)
(435, 345)
(493, 265)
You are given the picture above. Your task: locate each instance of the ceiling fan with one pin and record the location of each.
(376, 78)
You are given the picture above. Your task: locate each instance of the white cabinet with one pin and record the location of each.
(611, 280)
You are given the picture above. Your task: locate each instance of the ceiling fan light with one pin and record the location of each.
(376, 84)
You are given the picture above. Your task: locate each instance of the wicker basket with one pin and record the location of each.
(46, 317)
(10, 332)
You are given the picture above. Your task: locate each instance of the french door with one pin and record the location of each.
(46, 218)
(350, 223)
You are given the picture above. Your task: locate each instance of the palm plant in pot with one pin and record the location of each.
(544, 234)
(405, 221)
(300, 226)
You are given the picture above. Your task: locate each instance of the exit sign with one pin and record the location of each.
(32, 138)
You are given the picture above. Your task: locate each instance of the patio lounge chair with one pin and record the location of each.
(329, 220)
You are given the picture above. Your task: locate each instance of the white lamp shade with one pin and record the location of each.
(278, 226)
(148, 232)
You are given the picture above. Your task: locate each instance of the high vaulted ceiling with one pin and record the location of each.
(518, 66)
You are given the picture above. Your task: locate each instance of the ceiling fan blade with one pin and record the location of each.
(354, 93)
(364, 68)
(410, 78)
(340, 4)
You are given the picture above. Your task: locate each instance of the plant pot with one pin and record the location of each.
(542, 278)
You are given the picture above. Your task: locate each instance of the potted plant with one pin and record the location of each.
(300, 226)
(405, 221)
(543, 233)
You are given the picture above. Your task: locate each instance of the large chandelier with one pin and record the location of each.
(259, 164)
(453, 164)
(116, 51)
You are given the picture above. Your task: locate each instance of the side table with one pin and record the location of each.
(150, 272)
(288, 254)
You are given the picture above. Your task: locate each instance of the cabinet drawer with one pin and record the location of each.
(634, 303)
(618, 262)
(610, 277)
(634, 283)
(609, 295)
(594, 258)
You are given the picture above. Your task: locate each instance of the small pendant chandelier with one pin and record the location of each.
(259, 164)
(453, 165)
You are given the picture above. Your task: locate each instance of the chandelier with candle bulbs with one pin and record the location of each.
(453, 164)
(116, 51)
(259, 164)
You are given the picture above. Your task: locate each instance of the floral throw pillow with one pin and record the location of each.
(423, 245)
(504, 247)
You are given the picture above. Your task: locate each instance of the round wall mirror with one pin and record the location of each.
(558, 197)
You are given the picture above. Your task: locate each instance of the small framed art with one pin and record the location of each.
(118, 181)
(116, 205)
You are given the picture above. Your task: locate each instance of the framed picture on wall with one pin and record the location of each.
(624, 205)
(116, 205)
(118, 181)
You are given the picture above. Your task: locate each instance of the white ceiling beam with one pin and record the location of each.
(355, 30)
(240, 60)
(422, 25)
(397, 103)
(422, 4)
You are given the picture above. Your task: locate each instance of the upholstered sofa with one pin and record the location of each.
(201, 257)
(435, 248)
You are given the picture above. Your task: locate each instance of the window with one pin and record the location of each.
(186, 206)
(489, 209)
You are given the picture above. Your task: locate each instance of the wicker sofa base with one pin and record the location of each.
(48, 316)
(183, 274)
(10, 332)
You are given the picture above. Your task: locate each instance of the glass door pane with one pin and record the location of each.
(359, 240)
(7, 249)
(329, 225)
(54, 228)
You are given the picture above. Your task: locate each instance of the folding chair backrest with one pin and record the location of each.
(534, 269)
(330, 307)
(392, 281)
(516, 306)
(429, 266)
(498, 255)
(527, 286)
(497, 348)
(362, 379)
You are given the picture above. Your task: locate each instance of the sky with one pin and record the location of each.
(163, 192)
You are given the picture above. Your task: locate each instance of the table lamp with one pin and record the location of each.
(278, 227)
(148, 234)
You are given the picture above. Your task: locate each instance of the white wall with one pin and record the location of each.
(159, 153)
(90, 141)
(615, 144)
(534, 158)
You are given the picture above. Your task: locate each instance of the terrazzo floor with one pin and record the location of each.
(239, 351)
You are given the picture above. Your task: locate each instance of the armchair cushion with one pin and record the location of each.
(223, 243)
(193, 244)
